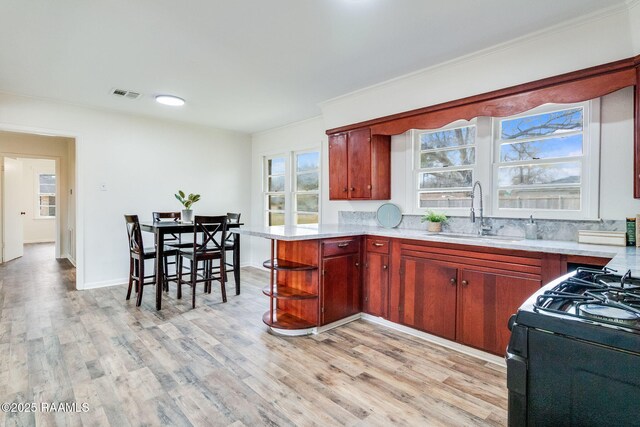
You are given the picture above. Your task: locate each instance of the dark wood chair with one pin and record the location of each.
(137, 256)
(231, 244)
(172, 243)
(209, 235)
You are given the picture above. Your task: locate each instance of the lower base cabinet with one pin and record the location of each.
(376, 284)
(340, 280)
(486, 301)
(428, 296)
(459, 294)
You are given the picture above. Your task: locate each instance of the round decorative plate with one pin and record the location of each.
(389, 215)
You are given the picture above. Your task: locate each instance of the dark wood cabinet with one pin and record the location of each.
(375, 289)
(485, 303)
(427, 296)
(359, 166)
(340, 279)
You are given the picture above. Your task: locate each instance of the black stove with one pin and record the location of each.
(574, 353)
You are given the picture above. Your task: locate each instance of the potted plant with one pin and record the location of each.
(187, 202)
(435, 221)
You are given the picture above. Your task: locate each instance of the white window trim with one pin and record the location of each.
(289, 186)
(486, 154)
(36, 210)
(413, 172)
(294, 193)
(265, 186)
(590, 165)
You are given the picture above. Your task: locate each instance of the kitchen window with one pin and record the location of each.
(292, 188)
(546, 162)
(445, 167)
(275, 185)
(306, 187)
(46, 195)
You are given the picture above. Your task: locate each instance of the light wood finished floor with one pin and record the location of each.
(217, 365)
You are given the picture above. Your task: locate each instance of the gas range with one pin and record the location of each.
(574, 352)
(599, 296)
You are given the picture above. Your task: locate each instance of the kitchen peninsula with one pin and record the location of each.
(459, 287)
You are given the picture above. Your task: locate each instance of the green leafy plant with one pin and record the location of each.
(187, 201)
(434, 217)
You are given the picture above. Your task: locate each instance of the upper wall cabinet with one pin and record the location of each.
(359, 166)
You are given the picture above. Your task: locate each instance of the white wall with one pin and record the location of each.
(36, 229)
(59, 149)
(142, 163)
(602, 38)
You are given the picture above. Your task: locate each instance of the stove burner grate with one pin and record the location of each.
(600, 311)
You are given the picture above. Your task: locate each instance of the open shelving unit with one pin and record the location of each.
(293, 287)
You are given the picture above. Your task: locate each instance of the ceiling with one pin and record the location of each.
(246, 65)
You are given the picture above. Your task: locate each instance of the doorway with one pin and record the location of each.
(29, 204)
(37, 194)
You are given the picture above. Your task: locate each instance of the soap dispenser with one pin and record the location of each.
(531, 229)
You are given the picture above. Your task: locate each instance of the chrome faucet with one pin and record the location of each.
(483, 228)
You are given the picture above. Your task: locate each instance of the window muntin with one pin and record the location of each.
(46, 195)
(540, 161)
(445, 166)
(306, 187)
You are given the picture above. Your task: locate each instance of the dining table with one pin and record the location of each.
(160, 229)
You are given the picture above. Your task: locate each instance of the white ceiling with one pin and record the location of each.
(246, 65)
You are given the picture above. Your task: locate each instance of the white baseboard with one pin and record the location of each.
(437, 340)
(104, 284)
(26, 242)
(71, 260)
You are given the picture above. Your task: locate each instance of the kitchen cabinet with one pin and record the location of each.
(461, 293)
(340, 279)
(359, 166)
(376, 277)
(427, 299)
(486, 301)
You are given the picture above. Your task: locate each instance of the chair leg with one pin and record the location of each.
(130, 278)
(140, 281)
(194, 272)
(165, 282)
(208, 266)
(236, 270)
(179, 273)
(223, 287)
(136, 275)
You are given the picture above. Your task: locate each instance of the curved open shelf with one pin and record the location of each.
(284, 320)
(286, 292)
(284, 265)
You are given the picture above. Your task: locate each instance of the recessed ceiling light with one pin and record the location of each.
(174, 101)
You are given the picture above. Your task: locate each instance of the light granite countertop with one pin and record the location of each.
(623, 258)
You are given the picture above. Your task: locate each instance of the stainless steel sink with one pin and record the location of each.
(478, 237)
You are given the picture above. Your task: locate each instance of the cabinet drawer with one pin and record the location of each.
(380, 246)
(339, 247)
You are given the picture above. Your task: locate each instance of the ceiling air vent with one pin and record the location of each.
(125, 93)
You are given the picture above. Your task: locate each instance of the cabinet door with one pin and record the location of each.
(376, 284)
(359, 148)
(485, 303)
(428, 296)
(340, 287)
(338, 172)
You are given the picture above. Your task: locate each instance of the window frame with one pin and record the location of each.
(265, 187)
(290, 186)
(417, 171)
(294, 188)
(38, 194)
(589, 161)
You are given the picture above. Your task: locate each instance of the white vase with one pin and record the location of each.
(187, 215)
(434, 227)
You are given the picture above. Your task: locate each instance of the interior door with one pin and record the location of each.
(12, 210)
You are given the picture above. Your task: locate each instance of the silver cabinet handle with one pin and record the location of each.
(378, 244)
(343, 245)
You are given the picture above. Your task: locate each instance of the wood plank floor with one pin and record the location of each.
(217, 365)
